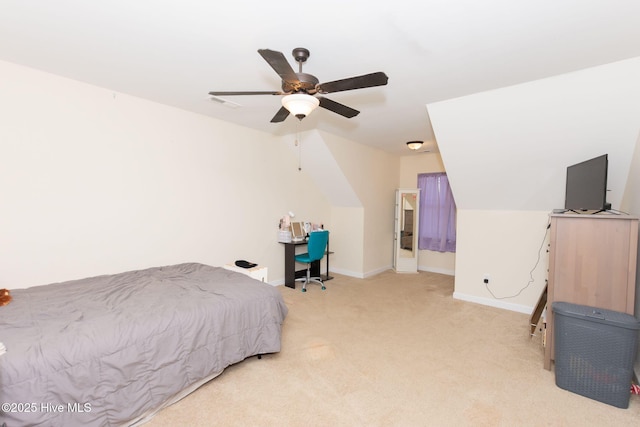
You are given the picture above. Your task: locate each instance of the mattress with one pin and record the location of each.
(110, 350)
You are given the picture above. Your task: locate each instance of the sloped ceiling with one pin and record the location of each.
(433, 50)
(315, 158)
(516, 142)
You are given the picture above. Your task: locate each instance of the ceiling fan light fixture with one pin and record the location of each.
(414, 145)
(300, 104)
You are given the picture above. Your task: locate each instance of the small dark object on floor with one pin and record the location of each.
(245, 264)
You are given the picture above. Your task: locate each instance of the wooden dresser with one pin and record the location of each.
(592, 261)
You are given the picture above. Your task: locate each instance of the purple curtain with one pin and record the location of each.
(437, 223)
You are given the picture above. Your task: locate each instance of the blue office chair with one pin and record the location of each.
(316, 248)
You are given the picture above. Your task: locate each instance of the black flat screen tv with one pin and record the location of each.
(587, 185)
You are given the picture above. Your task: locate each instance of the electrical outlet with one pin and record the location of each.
(486, 279)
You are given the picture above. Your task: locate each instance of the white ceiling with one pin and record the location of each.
(175, 52)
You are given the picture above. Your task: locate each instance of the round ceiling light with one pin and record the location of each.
(414, 145)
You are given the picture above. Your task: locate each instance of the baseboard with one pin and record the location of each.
(386, 268)
(343, 272)
(494, 303)
(377, 271)
(438, 270)
(276, 282)
(347, 273)
(371, 273)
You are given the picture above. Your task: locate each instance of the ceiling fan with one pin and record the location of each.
(300, 88)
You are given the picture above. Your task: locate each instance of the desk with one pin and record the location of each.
(290, 273)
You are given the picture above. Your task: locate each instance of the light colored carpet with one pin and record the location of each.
(394, 350)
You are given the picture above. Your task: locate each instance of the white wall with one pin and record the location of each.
(347, 234)
(506, 153)
(347, 214)
(373, 175)
(511, 248)
(410, 166)
(357, 181)
(95, 182)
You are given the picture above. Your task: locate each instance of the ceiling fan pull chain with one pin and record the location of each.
(299, 144)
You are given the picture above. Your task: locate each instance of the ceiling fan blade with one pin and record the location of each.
(280, 64)
(245, 93)
(336, 107)
(282, 114)
(359, 82)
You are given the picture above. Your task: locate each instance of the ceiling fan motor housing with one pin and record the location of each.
(306, 83)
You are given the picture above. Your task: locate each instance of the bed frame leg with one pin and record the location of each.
(259, 356)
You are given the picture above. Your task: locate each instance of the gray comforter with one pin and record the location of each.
(107, 350)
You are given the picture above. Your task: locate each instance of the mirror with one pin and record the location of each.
(406, 230)
(297, 232)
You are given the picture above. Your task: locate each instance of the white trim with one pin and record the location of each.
(372, 273)
(494, 303)
(338, 271)
(347, 273)
(280, 282)
(377, 271)
(438, 270)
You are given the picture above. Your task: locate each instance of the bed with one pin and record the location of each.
(112, 350)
